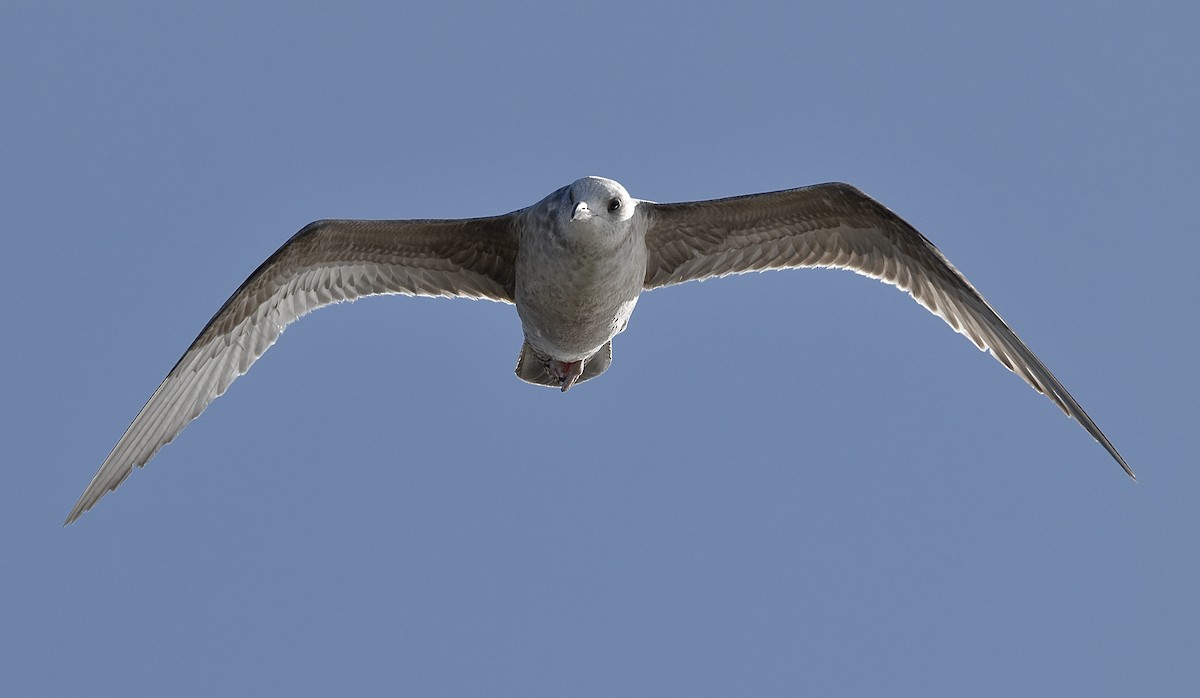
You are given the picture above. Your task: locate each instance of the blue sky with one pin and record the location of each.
(787, 482)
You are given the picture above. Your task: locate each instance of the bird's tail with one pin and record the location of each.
(532, 367)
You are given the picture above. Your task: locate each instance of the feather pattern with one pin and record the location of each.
(326, 262)
(836, 225)
(573, 264)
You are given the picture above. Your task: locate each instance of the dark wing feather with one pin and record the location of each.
(836, 225)
(326, 262)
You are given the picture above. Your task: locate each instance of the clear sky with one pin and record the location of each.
(788, 482)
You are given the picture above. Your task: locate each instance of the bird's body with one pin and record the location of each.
(574, 265)
(579, 273)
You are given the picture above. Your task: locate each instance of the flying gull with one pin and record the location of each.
(574, 265)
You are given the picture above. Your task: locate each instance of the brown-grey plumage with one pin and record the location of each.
(574, 265)
(836, 225)
(326, 262)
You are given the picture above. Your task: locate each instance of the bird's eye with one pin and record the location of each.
(613, 205)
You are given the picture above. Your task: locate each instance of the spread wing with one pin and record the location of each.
(326, 262)
(836, 225)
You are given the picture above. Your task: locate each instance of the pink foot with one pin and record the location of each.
(568, 373)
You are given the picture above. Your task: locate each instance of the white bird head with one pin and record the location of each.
(596, 200)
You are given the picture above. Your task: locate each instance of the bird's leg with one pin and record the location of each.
(568, 373)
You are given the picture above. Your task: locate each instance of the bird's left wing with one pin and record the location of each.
(836, 225)
(326, 262)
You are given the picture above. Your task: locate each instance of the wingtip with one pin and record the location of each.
(1120, 460)
(83, 506)
(76, 512)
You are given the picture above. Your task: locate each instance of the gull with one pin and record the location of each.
(574, 265)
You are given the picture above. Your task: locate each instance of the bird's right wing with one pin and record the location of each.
(326, 262)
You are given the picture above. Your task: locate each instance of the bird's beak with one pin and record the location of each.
(581, 211)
